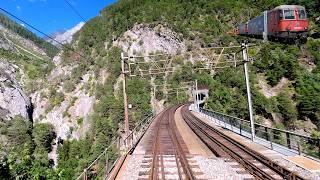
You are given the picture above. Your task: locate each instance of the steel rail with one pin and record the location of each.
(283, 172)
(166, 119)
(255, 171)
(154, 163)
(178, 148)
(175, 150)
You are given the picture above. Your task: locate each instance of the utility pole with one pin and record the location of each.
(244, 47)
(125, 99)
(265, 26)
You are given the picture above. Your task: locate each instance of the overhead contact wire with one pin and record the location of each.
(41, 32)
(74, 10)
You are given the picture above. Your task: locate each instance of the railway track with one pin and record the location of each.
(168, 146)
(221, 145)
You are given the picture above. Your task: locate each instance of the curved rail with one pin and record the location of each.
(243, 155)
(166, 122)
(180, 154)
(154, 163)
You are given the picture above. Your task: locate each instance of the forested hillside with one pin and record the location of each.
(284, 78)
(25, 60)
(25, 33)
(202, 24)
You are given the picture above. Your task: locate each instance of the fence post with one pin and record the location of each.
(85, 174)
(231, 127)
(107, 163)
(266, 133)
(118, 143)
(299, 148)
(319, 148)
(288, 140)
(125, 141)
(132, 140)
(255, 129)
(270, 138)
(240, 127)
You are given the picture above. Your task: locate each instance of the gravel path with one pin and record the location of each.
(132, 170)
(302, 172)
(217, 168)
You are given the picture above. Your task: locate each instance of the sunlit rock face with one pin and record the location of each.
(13, 100)
(67, 36)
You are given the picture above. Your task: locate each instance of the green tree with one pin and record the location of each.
(50, 49)
(287, 108)
(20, 146)
(308, 89)
(43, 135)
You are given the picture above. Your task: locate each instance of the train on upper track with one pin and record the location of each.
(285, 22)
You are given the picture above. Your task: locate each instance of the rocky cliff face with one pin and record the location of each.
(144, 39)
(13, 100)
(17, 55)
(71, 117)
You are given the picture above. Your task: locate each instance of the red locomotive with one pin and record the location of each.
(288, 22)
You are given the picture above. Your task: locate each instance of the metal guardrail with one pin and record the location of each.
(103, 165)
(293, 141)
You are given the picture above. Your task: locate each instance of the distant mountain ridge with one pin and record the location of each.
(65, 37)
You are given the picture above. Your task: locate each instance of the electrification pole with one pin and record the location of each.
(265, 26)
(125, 99)
(244, 47)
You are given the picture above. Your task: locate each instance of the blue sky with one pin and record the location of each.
(52, 15)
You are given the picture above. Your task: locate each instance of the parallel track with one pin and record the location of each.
(167, 142)
(223, 146)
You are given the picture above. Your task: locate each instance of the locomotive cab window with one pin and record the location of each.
(289, 14)
(280, 14)
(302, 14)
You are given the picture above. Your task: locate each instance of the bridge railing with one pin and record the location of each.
(271, 137)
(119, 147)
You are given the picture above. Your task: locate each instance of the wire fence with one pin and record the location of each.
(106, 162)
(272, 137)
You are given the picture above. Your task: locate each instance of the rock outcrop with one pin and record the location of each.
(145, 39)
(71, 117)
(13, 100)
(268, 91)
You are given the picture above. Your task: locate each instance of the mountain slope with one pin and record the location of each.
(50, 50)
(82, 97)
(25, 60)
(195, 24)
(66, 36)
